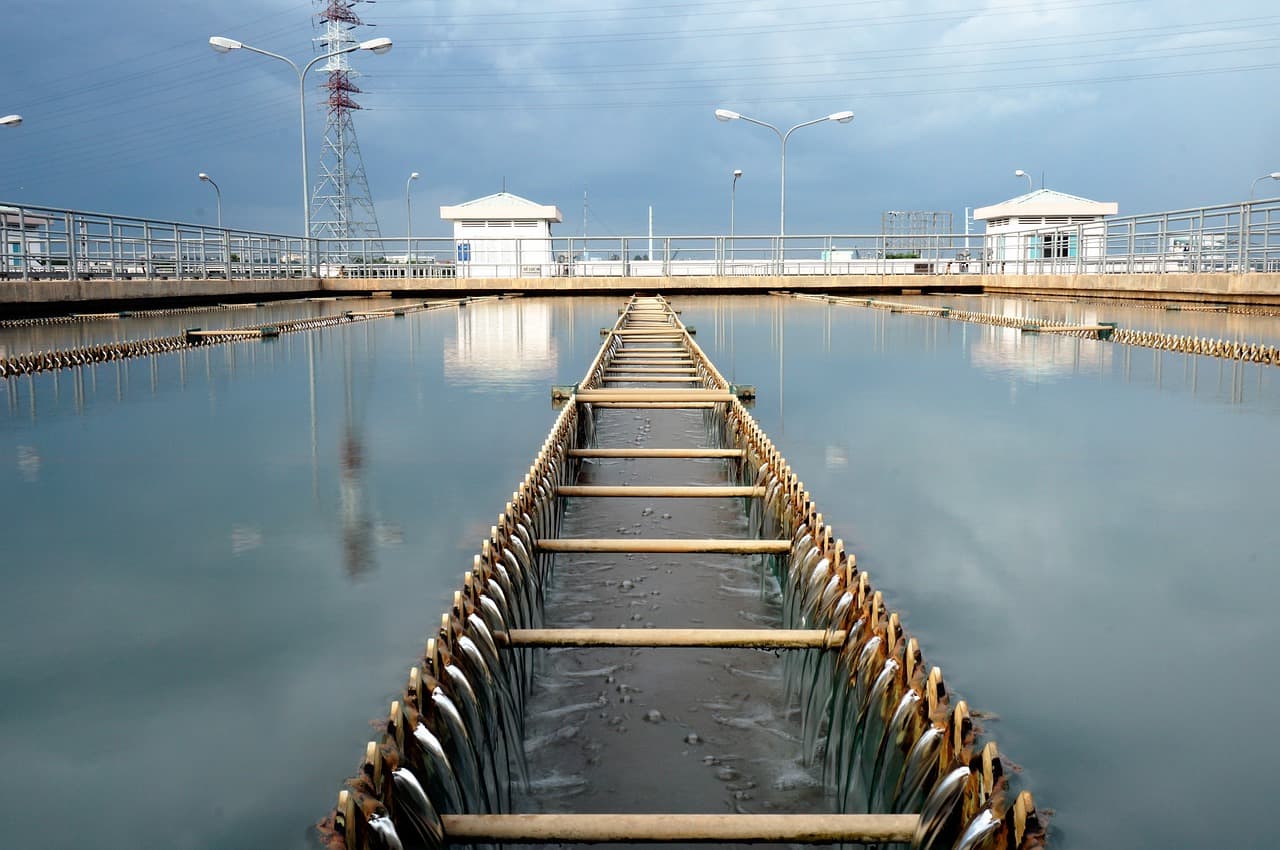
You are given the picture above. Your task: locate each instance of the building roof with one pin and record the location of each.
(1046, 202)
(501, 205)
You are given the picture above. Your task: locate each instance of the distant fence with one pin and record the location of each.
(45, 243)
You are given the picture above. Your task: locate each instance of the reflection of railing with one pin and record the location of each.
(46, 243)
(43, 243)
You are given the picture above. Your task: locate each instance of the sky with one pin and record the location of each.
(1154, 104)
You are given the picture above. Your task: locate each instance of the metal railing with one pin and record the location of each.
(46, 243)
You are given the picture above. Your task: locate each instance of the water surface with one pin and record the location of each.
(220, 563)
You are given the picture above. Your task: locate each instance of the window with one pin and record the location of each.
(1052, 246)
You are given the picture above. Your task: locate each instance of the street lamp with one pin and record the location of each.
(1020, 173)
(408, 222)
(207, 179)
(1275, 175)
(10, 121)
(373, 45)
(733, 190)
(839, 117)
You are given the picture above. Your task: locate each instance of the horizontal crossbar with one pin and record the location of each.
(661, 828)
(677, 638)
(657, 492)
(676, 453)
(653, 395)
(657, 405)
(670, 546)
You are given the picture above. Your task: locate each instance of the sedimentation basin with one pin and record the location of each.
(220, 564)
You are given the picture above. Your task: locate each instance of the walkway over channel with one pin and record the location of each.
(893, 757)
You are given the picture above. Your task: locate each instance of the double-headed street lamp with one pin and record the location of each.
(729, 115)
(374, 45)
(1020, 173)
(1275, 175)
(408, 222)
(10, 121)
(205, 178)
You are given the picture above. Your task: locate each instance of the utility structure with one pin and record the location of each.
(341, 204)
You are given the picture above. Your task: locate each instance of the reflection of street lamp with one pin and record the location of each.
(408, 220)
(374, 45)
(733, 190)
(10, 121)
(1020, 173)
(839, 117)
(207, 179)
(1275, 175)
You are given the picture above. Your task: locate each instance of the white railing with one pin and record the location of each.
(47, 243)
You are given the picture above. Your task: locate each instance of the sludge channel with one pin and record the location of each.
(851, 721)
(235, 571)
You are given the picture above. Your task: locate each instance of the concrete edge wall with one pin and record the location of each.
(49, 296)
(51, 293)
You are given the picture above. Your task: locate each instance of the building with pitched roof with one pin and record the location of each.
(503, 235)
(1045, 224)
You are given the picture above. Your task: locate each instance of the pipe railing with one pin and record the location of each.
(44, 243)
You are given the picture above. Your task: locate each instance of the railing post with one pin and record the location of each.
(666, 256)
(1246, 211)
(69, 226)
(626, 256)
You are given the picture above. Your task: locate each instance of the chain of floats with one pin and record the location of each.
(1249, 352)
(75, 318)
(428, 761)
(30, 363)
(1166, 306)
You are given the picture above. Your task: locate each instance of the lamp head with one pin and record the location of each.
(203, 176)
(1275, 175)
(222, 45)
(414, 176)
(737, 172)
(1019, 173)
(10, 121)
(376, 45)
(841, 117)
(726, 115)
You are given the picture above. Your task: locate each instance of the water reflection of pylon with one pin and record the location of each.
(357, 527)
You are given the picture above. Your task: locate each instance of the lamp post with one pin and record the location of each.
(733, 191)
(374, 45)
(10, 121)
(1275, 175)
(207, 179)
(408, 224)
(1020, 173)
(839, 117)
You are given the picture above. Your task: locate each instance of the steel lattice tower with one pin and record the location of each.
(341, 204)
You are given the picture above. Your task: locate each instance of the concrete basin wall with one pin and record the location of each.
(49, 295)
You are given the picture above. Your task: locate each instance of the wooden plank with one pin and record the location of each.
(638, 394)
(677, 638)
(664, 546)
(660, 828)
(649, 379)
(655, 405)
(655, 370)
(673, 453)
(638, 491)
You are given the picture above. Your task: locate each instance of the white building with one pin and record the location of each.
(1044, 230)
(503, 235)
(23, 237)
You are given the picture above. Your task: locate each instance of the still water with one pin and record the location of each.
(219, 564)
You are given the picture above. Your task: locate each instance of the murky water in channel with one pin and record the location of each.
(219, 564)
